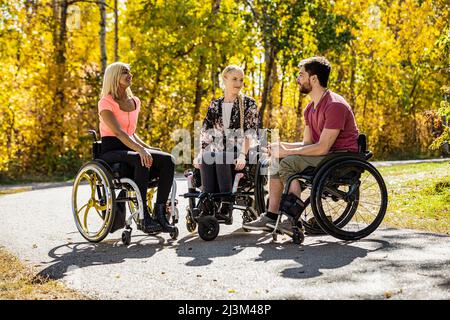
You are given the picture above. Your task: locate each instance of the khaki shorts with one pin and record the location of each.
(291, 165)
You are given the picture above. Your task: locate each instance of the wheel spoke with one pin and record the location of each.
(78, 212)
(85, 219)
(99, 214)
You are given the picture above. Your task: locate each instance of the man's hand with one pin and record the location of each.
(278, 150)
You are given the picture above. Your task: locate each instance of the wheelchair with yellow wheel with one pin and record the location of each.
(344, 196)
(103, 192)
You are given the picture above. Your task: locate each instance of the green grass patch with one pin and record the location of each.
(419, 196)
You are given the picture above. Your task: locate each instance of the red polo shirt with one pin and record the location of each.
(333, 112)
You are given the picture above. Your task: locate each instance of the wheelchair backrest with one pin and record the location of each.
(96, 145)
(362, 143)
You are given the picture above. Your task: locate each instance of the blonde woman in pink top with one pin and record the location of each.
(119, 110)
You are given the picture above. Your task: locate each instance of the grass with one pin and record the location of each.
(33, 179)
(19, 282)
(419, 196)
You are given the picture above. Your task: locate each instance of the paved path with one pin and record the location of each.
(38, 227)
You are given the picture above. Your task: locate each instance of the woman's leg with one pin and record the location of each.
(140, 177)
(208, 172)
(163, 167)
(224, 170)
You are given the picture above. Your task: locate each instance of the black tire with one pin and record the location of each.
(126, 237)
(208, 228)
(333, 175)
(174, 234)
(298, 237)
(260, 189)
(102, 187)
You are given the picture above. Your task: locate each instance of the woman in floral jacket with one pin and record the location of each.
(230, 125)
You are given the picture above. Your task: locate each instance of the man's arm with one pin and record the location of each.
(307, 140)
(326, 141)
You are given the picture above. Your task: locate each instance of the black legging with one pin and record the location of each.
(113, 150)
(217, 169)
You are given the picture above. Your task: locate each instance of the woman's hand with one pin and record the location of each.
(146, 157)
(240, 162)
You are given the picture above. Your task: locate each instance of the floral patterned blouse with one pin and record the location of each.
(213, 127)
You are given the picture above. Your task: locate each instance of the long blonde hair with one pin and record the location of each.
(111, 80)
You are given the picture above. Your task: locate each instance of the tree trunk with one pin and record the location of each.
(102, 34)
(299, 133)
(198, 91)
(116, 32)
(267, 87)
(53, 120)
(282, 88)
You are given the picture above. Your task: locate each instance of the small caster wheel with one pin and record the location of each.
(174, 234)
(208, 228)
(274, 236)
(191, 225)
(126, 237)
(298, 237)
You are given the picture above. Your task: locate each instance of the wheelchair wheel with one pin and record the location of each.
(349, 199)
(297, 236)
(309, 221)
(191, 225)
(174, 234)
(208, 228)
(261, 187)
(92, 201)
(126, 237)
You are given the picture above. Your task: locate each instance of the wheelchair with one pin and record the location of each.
(248, 195)
(101, 192)
(347, 197)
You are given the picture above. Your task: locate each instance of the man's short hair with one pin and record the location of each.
(318, 66)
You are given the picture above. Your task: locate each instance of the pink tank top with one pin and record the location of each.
(126, 120)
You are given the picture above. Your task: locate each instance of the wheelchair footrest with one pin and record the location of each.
(292, 205)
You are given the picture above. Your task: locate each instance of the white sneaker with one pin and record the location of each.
(259, 224)
(284, 226)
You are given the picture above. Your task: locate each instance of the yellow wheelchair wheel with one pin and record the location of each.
(93, 201)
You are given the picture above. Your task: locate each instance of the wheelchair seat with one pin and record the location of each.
(362, 153)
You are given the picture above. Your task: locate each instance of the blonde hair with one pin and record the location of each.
(230, 68)
(111, 80)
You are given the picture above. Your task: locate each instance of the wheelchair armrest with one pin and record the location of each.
(368, 155)
(94, 134)
(154, 148)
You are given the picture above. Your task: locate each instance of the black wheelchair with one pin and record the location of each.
(100, 194)
(346, 197)
(248, 195)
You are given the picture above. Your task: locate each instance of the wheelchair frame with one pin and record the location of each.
(208, 225)
(111, 175)
(312, 178)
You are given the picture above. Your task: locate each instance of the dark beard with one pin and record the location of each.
(305, 88)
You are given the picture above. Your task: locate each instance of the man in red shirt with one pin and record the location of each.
(329, 126)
